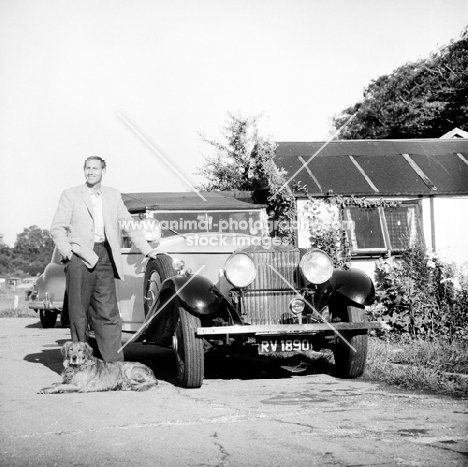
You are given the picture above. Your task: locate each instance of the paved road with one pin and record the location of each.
(248, 413)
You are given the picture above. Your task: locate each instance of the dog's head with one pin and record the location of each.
(76, 353)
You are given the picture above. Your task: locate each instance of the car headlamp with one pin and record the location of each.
(316, 266)
(297, 305)
(240, 270)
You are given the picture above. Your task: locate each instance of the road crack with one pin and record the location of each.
(223, 454)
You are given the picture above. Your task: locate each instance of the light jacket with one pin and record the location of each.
(72, 227)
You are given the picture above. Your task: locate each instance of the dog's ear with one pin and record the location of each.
(88, 350)
(66, 348)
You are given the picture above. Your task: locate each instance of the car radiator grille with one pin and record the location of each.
(276, 271)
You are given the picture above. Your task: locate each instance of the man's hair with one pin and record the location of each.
(95, 158)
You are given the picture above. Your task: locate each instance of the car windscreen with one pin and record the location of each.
(244, 222)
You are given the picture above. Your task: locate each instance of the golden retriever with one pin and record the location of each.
(85, 373)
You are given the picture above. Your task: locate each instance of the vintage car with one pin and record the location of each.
(222, 282)
(47, 296)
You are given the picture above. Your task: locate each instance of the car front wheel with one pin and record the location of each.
(157, 271)
(188, 348)
(48, 318)
(350, 352)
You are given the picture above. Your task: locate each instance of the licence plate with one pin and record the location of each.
(268, 346)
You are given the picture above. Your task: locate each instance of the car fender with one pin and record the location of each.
(351, 285)
(54, 281)
(196, 293)
(49, 289)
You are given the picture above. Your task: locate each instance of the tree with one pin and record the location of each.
(234, 164)
(424, 99)
(6, 256)
(32, 250)
(244, 161)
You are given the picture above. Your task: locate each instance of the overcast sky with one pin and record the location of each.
(174, 69)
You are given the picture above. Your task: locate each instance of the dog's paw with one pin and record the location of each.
(44, 391)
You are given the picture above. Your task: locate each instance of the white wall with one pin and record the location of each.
(451, 227)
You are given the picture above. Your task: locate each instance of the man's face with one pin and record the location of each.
(93, 172)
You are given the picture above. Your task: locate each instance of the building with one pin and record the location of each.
(429, 178)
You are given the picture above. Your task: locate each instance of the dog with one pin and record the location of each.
(85, 373)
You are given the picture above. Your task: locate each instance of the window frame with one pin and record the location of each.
(367, 252)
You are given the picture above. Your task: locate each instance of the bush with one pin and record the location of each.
(421, 296)
(326, 232)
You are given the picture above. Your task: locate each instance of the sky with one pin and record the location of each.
(138, 81)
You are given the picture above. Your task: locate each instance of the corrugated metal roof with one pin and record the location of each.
(139, 202)
(378, 167)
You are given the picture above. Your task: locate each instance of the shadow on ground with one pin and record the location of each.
(49, 357)
(220, 366)
(38, 325)
(217, 365)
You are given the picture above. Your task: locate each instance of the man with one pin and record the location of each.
(85, 229)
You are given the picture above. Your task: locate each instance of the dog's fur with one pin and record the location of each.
(85, 373)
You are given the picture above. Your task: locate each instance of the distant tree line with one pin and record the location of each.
(422, 99)
(30, 254)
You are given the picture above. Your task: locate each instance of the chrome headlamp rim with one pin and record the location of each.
(234, 281)
(325, 275)
(297, 305)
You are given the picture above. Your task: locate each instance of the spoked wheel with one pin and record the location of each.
(350, 354)
(188, 348)
(48, 318)
(157, 271)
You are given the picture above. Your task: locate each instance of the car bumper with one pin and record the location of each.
(282, 329)
(45, 305)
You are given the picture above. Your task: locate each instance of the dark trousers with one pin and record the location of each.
(92, 296)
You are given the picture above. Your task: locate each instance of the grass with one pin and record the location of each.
(7, 300)
(435, 365)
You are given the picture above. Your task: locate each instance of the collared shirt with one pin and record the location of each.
(96, 198)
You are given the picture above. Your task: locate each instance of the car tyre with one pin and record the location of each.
(91, 339)
(188, 348)
(350, 363)
(64, 316)
(157, 271)
(48, 318)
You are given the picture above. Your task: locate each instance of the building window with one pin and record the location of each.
(383, 229)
